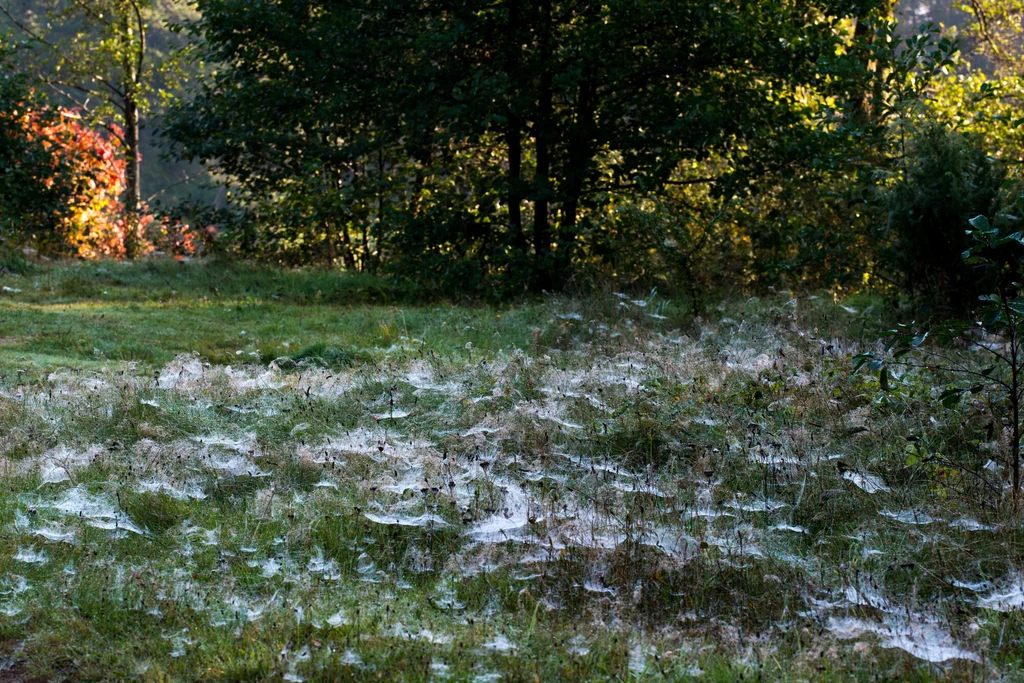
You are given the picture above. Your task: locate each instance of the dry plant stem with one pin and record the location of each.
(1015, 398)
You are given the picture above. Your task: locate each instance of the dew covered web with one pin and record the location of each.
(665, 495)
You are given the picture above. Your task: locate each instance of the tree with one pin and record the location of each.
(33, 189)
(95, 58)
(997, 27)
(488, 131)
(61, 180)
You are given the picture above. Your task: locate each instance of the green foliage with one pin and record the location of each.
(450, 249)
(997, 254)
(813, 219)
(945, 179)
(996, 29)
(13, 261)
(500, 148)
(628, 245)
(996, 369)
(478, 148)
(36, 190)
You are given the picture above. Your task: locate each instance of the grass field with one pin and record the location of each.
(218, 473)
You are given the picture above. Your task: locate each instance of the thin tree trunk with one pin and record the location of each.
(133, 189)
(514, 139)
(1015, 403)
(131, 73)
(868, 106)
(542, 179)
(329, 253)
(862, 106)
(514, 130)
(542, 185)
(347, 257)
(364, 257)
(381, 183)
(581, 137)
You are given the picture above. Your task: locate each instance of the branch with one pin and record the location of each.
(53, 83)
(963, 371)
(186, 179)
(985, 33)
(84, 106)
(76, 102)
(986, 349)
(693, 181)
(25, 29)
(88, 91)
(112, 88)
(91, 12)
(142, 40)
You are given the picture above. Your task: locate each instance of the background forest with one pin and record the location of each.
(494, 149)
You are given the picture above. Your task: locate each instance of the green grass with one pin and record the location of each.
(383, 487)
(91, 313)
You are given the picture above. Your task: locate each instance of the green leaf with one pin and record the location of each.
(860, 359)
(980, 223)
(950, 397)
(1015, 237)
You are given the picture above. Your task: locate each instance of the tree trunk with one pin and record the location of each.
(379, 228)
(869, 102)
(581, 145)
(1015, 406)
(542, 179)
(133, 189)
(514, 139)
(542, 182)
(131, 67)
(514, 129)
(347, 257)
(862, 106)
(329, 253)
(365, 256)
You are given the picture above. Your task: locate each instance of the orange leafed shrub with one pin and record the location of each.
(85, 167)
(94, 223)
(176, 238)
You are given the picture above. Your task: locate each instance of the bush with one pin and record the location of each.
(451, 251)
(325, 355)
(946, 179)
(60, 180)
(34, 188)
(193, 228)
(679, 246)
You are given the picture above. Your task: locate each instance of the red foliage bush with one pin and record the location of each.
(93, 225)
